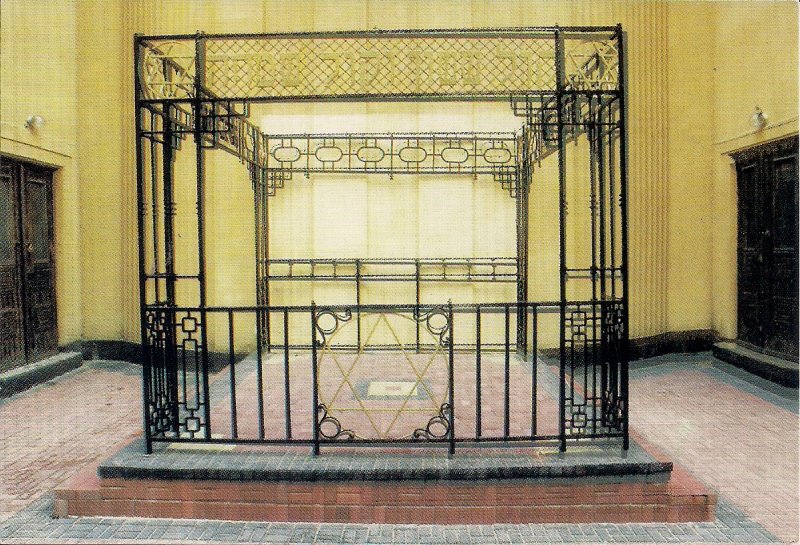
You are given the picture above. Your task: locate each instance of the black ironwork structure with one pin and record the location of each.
(567, 86)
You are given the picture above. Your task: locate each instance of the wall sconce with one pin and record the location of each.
(759, 119)
(34, 122)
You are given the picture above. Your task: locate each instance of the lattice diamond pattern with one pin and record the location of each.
(391, 66)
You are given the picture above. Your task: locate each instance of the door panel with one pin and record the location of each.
(750, 256)
(12, 340)
(39, 270)
(781, 333)
(768, 248)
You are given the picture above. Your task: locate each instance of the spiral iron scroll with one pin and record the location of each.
(428, 317)
(440, 420)
(338, 319)
(330, 428)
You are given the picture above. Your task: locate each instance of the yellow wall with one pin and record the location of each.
(38, 67)
(755, 62)
(696, 70)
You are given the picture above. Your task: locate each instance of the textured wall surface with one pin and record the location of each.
(696, 71)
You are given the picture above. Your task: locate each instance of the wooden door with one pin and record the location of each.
(767, 248)
(12, 339)
(38, 264)
(28, 329)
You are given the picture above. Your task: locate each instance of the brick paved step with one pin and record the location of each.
(649, 490)
(777, 370)
(27, 376)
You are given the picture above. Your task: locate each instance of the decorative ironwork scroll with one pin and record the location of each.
(177, 395)
(417, 153)
(383, 390)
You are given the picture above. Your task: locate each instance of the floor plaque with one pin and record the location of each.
(384, 388)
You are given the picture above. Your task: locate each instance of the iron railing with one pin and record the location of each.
(470, 380)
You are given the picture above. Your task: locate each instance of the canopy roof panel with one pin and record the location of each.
(482, 64)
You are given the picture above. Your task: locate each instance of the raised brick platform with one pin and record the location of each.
(420, 486)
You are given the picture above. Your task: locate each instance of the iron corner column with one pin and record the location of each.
(144, 352)
(562, 197)
(623, 158)
(199, 93)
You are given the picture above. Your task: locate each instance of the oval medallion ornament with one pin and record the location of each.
(328, 154)
(497, 155)
(286, 154)
(413, 155)
(454, 155)
(370, 154)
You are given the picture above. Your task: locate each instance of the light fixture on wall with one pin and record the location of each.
(759, 119)
(34, 122)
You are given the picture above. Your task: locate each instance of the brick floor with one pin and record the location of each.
(740, 444)
(738, 436)
(53, 429)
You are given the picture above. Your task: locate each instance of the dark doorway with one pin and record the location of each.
(767, 248)
(28, 328)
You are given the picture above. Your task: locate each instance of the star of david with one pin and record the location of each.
(336, 406)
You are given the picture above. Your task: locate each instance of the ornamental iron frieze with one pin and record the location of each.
(416, 153)
(379, 65)
(489, 64)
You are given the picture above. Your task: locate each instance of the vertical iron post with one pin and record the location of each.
(594, 129)
(256, 180)
(478, 423)
(145, 350)
(154, 206)
(507, 374)
(232, 375)
(522, 183)
(524, 195)
(287, 394)
(623, 202)
(358, 303)
(265, 255)
(562, 203)
(170, 347)
(450, 381)
(601, 200)
(259, 375)
(199, 81)
(169, 205)
(314, 380)
(534, 367)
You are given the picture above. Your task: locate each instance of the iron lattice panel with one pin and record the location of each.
(380, 66)
(591, 64)
(386, 65)
(167, 69)
(594, 405)
(392, 153)
(176, 390)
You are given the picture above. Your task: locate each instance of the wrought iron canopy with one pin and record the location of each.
(565, 83)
